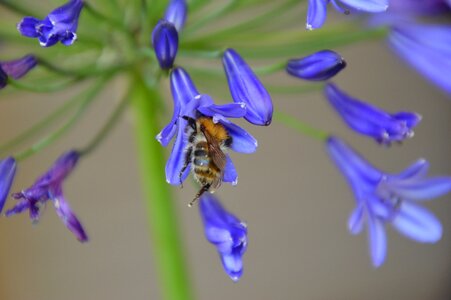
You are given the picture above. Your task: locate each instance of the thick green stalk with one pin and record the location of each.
(167, 248)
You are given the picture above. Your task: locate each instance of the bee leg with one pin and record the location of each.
(191, 121)
(204, 189)
(187, 161)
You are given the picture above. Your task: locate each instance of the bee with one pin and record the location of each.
(206, 152)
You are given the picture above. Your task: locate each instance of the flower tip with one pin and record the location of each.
(309, 27)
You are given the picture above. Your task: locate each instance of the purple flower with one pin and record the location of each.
(49, 187)
(59, 25)
(176, 13)
(165, 41)
(16, 68)
(418, 7)
(317, 9)
(246, 88)
(426, 48)
(188, 102)
(318, 66)
(389, 198)
(369, 120)
(7, 173)
(226, 232)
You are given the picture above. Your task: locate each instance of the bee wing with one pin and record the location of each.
(216, 154)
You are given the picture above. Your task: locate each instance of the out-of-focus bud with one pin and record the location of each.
(165, 42)
(318, 66)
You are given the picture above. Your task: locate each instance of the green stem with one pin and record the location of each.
(168, 251)
(40, 88)
(270, 69)
(107, 127)
(301, 127)
(48, 140)
(98, 15)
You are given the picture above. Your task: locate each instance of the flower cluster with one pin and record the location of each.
(203, 131)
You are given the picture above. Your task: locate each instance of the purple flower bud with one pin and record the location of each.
(369, 120)
(176, 13)
(321, 65)
(59, 25)
(49, 188)
(165, 41)
(246, 88)
(226, 232)
(19, 67)
(7, 172)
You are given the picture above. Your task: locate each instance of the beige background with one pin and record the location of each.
(294, 200)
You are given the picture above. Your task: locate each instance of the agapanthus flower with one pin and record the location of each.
(188, 102)
(426, 48)
(369, 120)
(59, 25)
(246, 87)
(226, 232)
(317, 9)
(176, 13)
(165, 41)
(49, 188)
(389, 198)
(321, 65)
(418, 7)
(16, 68)
(7, 173)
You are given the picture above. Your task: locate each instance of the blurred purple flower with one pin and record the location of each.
(226, 232)
(425, 47)
(418, 7)
(49, 188)
(318, 66)
(188, 102)
(369, 120)
(59, 25)
(165, 42)
(246, 88)
(317, 9)
(176, 13)
(389, 198)
(7, 173)
(19, 67)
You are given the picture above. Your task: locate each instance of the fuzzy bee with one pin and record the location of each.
(206, 151)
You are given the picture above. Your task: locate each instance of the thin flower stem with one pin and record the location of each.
(206, 54)
(163, 221)
(194, 5)
(54, 136)
(270, 69)
(41, 125)
(107, 127)
(83, 72)
(98, 15)
(301, 127)
(215, 15)
(40, 88)
(248, 24)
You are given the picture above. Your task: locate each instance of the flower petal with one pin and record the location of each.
(7, 173)
(27, 27)
(417, 223)
(416, 170)
(377, 241)
(373, 6)
(69, 218)
(242, 141)
(176, 13)
(182, 87)
(421, 189)
(177, 158)
(232, 110)
(230, 174)
(321, 65)
(316, 14)
(233, 265)
(165, 42)
(245, 87)
(355, 221)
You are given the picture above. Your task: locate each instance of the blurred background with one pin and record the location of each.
(292, 197)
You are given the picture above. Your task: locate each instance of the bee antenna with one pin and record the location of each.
(191, 121)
